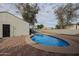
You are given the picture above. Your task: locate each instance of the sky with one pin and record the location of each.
(46, 15)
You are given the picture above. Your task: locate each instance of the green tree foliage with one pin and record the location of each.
(29, 12)
(60, 17)
(57, 27)
(66, 14)
(40, 26)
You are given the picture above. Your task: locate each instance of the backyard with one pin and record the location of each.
(18, 46)
(38, 29)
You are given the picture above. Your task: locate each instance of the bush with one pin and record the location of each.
(40, 26)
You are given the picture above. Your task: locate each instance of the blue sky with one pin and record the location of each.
(45, 16)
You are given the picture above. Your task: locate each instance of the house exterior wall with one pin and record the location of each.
(72, 27)
(77, 26)
(0, 30)
(17, 26)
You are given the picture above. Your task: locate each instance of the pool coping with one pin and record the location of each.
(72, 49)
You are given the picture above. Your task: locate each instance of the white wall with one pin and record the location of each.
(63, 31)
(72, 27)
(0, 30)
(18, 26)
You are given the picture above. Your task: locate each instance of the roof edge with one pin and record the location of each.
(12, 15)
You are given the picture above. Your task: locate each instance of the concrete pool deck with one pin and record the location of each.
(21, 45)
(73, 48)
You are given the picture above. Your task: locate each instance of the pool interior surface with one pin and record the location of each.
(47, 40)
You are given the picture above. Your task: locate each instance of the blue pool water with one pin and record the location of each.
(49, 40)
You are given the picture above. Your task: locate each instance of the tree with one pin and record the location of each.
(69, 11)
(57, 27)
(66, 14)
(40, 26)
(60, 16)
(29, 12)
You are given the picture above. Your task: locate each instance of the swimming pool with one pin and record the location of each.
(49, 40)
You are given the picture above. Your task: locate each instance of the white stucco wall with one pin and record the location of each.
(72, 27)
(0, 30)
(63, 31)
(17, 26)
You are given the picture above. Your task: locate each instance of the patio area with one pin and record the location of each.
(18, 46)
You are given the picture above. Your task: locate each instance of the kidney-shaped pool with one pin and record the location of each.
(48, 40)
